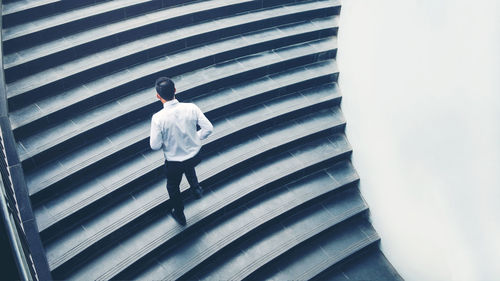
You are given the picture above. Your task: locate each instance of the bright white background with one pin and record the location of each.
(421, 95)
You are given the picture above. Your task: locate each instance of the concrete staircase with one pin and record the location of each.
(281, 196)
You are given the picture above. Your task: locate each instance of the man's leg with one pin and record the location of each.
(192, 179)
(174, 175)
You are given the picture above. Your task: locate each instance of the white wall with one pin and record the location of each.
(421, 95)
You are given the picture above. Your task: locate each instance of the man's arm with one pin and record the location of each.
(206, 127)
(155, 137)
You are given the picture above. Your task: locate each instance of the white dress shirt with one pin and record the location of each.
(174, 129)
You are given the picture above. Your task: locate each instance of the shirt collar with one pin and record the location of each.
(170, 103)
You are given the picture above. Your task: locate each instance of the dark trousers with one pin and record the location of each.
(174, 171)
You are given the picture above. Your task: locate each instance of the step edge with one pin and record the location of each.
(116, 147)
(265, 182)
(112, 274)
(93, 199)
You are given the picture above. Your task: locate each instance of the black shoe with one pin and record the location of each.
(197, 192)
(179, 217)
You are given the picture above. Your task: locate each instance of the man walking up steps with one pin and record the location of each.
(174, 129)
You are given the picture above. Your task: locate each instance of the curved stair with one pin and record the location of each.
(281, 197)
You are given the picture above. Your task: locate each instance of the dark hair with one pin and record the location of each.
(165, 88)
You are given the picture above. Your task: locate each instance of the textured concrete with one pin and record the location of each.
(281, 196)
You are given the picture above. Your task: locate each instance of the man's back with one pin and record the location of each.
(174, 129)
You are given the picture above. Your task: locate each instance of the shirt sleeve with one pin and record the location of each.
(206, 127)
(155, 138)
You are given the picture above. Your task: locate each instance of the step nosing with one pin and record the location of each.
(93, 10)
(72, 45)
(210, 173)
(23, 8)
(159, 200)
(207, 175)
(141, 137)
(142, 23)
(40, 148)
(138, 92)
(290, 206)
(127, 143)
(345, 253)
(263, 71)
(298, 240)
(97, 123)
(147, 47)
(133, 258)
(221, 77)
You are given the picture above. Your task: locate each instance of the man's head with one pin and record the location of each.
(165, 88)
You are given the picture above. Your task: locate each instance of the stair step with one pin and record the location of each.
(209, 78)
(261, 249)
(36, 117)
(132, 137)
(124, 52)
(100, 121)
(62, 24)
(281, 110)
(81, 198)
(19, 12)
(281, 197)
(369, 263)
(320, 253)
(257, 220)
(93, 41)
(230, 193)
(81, 71)
(134, 27)
(233, 159)
(25, 130)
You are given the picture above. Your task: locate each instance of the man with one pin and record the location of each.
(174, 129)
